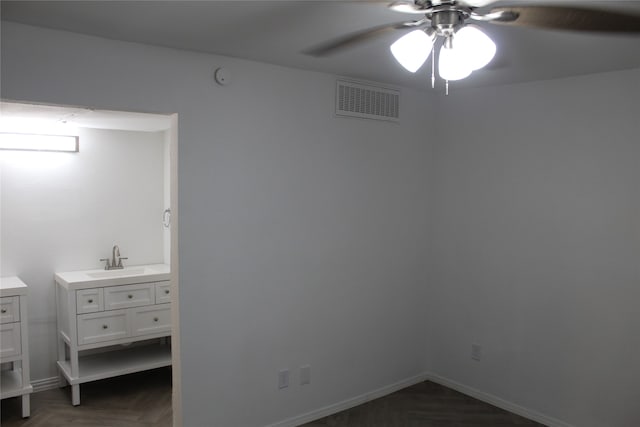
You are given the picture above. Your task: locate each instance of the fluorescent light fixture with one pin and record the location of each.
(452, 64)
(413, 49)
(35, 142)
(475, 46)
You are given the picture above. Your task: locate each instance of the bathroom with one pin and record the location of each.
(64, 211)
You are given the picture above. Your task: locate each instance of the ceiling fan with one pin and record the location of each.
(464, 47)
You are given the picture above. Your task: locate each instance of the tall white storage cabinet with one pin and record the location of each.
(14, 342)
(112, 323)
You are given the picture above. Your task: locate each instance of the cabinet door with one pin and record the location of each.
(102, 326)
(10, 340)
(151, 320)
(9, 309)
(116, 297)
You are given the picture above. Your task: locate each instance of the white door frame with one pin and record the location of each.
(175, 295)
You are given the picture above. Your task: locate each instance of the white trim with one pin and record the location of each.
(349, 403)
(45, 384)
(496, 401)
(176, 389)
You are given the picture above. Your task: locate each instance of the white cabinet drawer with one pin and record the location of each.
(116, 297)
(9, 309)
(163, 292)
(151, 320)
(89, 300)
(10, 340)
(102, 326)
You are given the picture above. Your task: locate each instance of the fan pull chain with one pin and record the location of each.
(433, 66)
(446, 85)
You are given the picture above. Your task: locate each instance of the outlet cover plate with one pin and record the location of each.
(305, 374)
(476, 352)
(283, 378)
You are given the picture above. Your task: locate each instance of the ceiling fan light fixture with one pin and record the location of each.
(452, 64)
(413, 49)
(475, 46)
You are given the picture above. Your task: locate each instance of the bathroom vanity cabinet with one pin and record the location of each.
(14, 342)
(112, 323)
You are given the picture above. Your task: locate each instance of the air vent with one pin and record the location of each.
(366, 101)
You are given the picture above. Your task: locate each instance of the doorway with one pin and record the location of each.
(72, 207)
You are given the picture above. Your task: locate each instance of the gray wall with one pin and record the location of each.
(302, 235)
(536, 227)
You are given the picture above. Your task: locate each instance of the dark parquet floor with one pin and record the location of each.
(425, 404)
(144, 400)
(136, 400)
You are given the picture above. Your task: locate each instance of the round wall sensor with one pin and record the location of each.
(222, 76)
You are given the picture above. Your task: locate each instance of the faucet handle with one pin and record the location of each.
(106, 263)
(120, 261)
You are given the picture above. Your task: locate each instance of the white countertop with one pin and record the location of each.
(84, 279)
(12, 286)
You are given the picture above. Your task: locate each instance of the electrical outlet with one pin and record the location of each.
(476, 352)
(305, 374)
(283, 378)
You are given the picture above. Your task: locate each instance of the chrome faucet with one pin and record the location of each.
(116, 261)
(116, 250)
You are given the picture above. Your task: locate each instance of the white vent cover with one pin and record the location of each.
(366, 101)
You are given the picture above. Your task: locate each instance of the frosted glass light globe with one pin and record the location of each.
(475, 46)
(412, 49)
(452, 64)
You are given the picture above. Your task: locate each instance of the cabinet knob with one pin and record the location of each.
(129, 296)
(104, 326)
(166, 291)
(155, 319)
(90, 301)
(3, 311)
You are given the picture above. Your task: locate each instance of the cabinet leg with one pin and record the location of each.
(75, 394)
(26, 405)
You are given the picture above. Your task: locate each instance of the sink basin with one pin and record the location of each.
(117, 273)
(85, 279)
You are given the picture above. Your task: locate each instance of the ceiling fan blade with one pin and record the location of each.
(501, 16)
(406, 6)
(350, 40)
(568, 18)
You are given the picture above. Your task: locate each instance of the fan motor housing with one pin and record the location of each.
(447, 21)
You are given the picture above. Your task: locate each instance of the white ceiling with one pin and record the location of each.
(279, 31)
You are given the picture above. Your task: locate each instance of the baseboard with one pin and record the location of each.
(496, 401)
(349, 403)
(44, 384)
